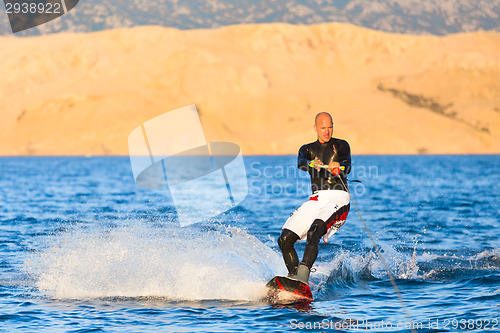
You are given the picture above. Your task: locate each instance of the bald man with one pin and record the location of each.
(326, 210)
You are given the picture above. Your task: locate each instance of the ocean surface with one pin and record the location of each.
(84, 249)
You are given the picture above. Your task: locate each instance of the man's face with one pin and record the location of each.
(324, 128)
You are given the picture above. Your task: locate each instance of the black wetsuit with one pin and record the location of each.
(335, 150)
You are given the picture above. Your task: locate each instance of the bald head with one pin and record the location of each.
(322, 115)
(323, 125)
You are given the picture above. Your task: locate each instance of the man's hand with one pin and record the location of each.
(334, 168)
(315, 162)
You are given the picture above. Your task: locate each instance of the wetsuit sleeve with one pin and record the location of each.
(344, 154)
(303, 158)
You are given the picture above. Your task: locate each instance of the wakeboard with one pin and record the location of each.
(283, 290)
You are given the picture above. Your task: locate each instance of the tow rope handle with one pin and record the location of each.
(311, 164)
(342, 168)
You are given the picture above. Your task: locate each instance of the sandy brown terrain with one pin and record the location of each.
(256, 85)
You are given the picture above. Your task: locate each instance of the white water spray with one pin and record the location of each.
(142, 261)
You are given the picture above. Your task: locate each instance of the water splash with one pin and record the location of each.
(137, 260)
(349, 268)
(346, 269)
(459, 266)
(400, 264)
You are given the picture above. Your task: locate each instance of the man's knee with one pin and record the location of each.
(318, 228)
(287, 239)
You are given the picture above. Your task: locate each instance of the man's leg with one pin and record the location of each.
(286, 243)
(317, 230)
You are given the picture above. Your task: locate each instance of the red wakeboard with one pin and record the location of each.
(283, 290)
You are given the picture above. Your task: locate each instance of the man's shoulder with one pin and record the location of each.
(308, 145)
(338, 141)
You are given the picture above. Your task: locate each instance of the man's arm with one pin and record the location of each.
(344, 156)
(303, 158)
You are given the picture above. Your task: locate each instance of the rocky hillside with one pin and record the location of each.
(401, 16)
(257, 85)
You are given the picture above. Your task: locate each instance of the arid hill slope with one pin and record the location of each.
(257, 85)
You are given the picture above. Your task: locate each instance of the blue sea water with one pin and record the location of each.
(84, 249)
